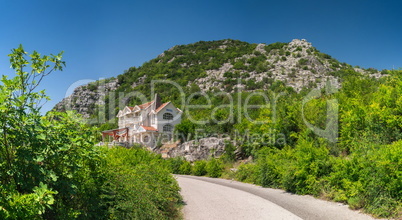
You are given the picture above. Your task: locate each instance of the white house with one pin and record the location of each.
(146, 123)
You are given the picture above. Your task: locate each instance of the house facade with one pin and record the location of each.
(146, 123)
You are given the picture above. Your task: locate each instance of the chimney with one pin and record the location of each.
(157, 102)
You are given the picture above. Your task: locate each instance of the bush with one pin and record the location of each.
(272, 166)
(175, 164)
(214, 168)
(199, 168)
(310, 164)
(139, 186)
(375, 187)
(185, 168)
(302, 62)
(274, 46)
(248, 173)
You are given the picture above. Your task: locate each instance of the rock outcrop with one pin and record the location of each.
(194, 150)
(85, 98)
(298, 64)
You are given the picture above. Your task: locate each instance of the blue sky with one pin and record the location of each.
(103, 38)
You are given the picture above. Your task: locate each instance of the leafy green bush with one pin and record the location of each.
(139, 186)
(363, 183)
(309, 165)
(248, 173)
(214, 168)
(199, 168)
(185, 168)
(356, 179)
(175, 163)
(302, 62)
(47, 162)
(274, 46)
(15, 205)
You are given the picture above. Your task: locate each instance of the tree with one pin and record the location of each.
(19, 108)
(47, 163)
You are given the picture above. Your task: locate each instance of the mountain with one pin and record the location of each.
(224, 65)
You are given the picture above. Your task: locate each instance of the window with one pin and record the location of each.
(168, 116)
(145, 139)
(152, 119)
(167, 128)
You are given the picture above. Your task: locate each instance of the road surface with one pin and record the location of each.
(208, 198)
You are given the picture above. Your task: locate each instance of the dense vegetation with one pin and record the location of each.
(51, 169)
(362, 168)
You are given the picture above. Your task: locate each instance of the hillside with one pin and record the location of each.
(225, 65)
(340, 144)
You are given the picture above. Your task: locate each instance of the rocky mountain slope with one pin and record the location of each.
(85, 99)
(225, 65)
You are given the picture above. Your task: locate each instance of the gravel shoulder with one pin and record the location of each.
(209, 198)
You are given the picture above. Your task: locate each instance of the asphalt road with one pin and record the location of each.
(208, 198)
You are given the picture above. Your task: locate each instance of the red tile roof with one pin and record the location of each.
(145, 105)
(142, 106)
(149, 128)
(161, 107)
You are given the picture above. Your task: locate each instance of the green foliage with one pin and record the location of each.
(362, 169)
(214, 168)
(29, 143)
(229, 154)
(51, 169)
(274, 46)
(139, 186)
(15, 205)
(302, 62)
(92, 87)
(185, 168)
(175, 164)
(361, 174)
(309, 165)
(199, 168)
(185, 130)
(248, 173)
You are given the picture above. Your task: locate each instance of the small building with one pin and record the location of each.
(146, 123)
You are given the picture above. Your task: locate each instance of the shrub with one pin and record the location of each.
(310, 164)
(272, 166)
(185, 168)
(274, 46)
(175, 164)
(302, 62)
(199, 168)
(248, 173)
(214, 168)
(229, 155)
(139, 186)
